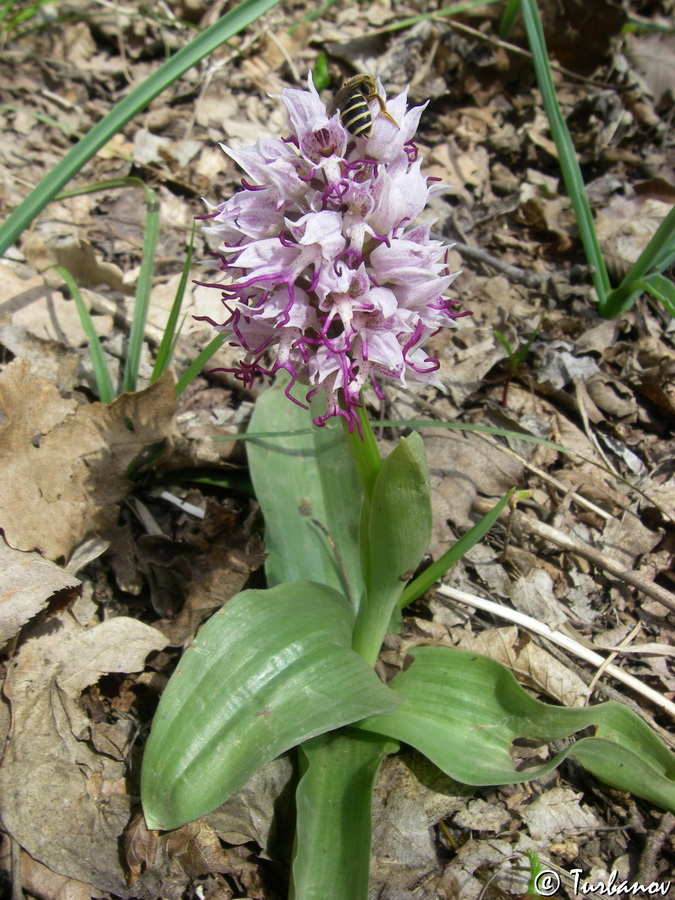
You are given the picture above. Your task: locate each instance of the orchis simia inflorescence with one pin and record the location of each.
(327, 272)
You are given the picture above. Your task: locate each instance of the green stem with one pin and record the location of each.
(373, 623)
(363, 447)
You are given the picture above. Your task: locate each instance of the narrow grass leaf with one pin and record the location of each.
(104, 385)
(269, 670)
(219, 478)
(437, 569)
(508, 19)
(658, 255)
(569, 163)
(171, 332)
(661, 289)
(199, 362)
(445, 12)
(143, 288)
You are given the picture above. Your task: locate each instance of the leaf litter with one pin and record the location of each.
(89, 649)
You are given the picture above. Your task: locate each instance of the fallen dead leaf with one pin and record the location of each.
(556, 813)
(42, 881)
(62, 778)
(28, 584)
(66, 465)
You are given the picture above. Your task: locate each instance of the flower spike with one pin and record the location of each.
(327, 274)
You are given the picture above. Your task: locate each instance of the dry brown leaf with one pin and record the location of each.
(63, 777)
(557, 813)
(462, 466)
(625, 228)
(140, 847)
(482, 816)
(28, 584)
(197, 850)
(411, 795)
(533, 595)
(44, 250)
(47, 885)
(502, 860)
(65, 464)
(247, 815)
(624, 538)
(654, 57)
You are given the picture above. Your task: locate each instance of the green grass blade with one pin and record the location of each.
(508, 19)
(170, 336)
(226, 479)
(445, 12)
(106, 392)
(231, 23)
(143, 288)
(199, 362)
(658, 255)
(662, 290)
(506, 344)
(569, 163)
(437, 570)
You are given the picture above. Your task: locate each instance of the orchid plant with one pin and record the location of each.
(331, 284)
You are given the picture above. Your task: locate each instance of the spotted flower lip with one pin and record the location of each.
(326, 273)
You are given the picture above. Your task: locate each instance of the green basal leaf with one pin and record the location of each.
(308, 489)
(463, 711)
(332, 851)
(399, 530)
(269, 670)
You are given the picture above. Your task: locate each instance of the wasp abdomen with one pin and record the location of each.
(355, 114)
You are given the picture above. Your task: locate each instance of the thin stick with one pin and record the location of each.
(598, 559)
(561, 640)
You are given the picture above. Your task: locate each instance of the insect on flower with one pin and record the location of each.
(352, 100)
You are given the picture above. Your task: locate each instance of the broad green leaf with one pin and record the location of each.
(269, 670)
(308, 489)
(463, 711)
(399, 530)
(332, 845)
